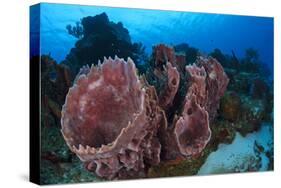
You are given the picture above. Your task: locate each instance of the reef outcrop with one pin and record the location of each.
(98, 37)
(120, 124)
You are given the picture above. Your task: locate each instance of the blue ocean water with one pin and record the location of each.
(203, 31)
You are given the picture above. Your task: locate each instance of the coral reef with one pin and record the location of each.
(56, 80)
(59, 165)
(231, 107)
(161, 123)
(146, 117)
(116, 122)
(259, 89)
(99, 37)
(178, 92)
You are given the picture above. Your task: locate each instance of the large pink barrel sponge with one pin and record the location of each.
(192, 131)
(110, 120)
(118, 124)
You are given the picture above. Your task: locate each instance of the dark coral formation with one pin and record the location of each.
(99, 37)
(116, 122)
(59, 165)
(231, 107)
(248, 101)
(189, 53)
(56, 80)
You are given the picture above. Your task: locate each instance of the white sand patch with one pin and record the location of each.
(240, 156)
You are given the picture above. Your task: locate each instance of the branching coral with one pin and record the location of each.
(120, 125)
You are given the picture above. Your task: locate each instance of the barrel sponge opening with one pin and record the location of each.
(102, 103)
